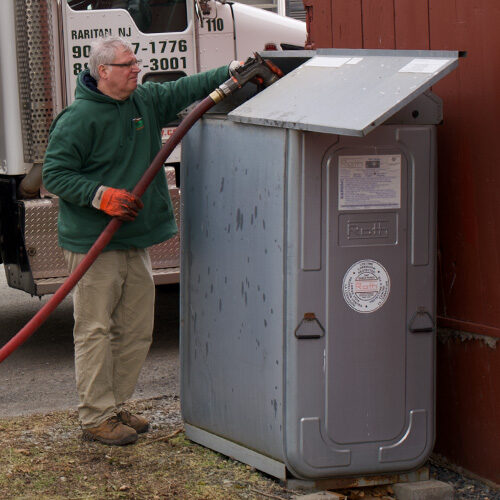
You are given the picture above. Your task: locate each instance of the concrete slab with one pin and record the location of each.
(321, 495)
(424, 490)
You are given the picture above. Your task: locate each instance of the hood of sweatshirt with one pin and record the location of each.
(86, 88)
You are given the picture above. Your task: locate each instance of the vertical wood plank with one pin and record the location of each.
(411, 21)
(378, 24)
(469, 230)
(467, 405)
(319, 24)
(469, 204)
(347, 24)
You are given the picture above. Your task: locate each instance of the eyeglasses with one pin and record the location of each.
(135, 62)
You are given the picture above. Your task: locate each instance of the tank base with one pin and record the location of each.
(261, 462)
(340, 483)
(278, 469)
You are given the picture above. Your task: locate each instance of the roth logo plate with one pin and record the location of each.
(368, 229)
(363, 230)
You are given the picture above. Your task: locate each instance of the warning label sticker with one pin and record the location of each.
(366, 286)
(327, 61)
(419, 65)
(369, 182)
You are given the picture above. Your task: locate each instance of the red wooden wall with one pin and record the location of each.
(468, 397)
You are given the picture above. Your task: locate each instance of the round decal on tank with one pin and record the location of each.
(366, 286)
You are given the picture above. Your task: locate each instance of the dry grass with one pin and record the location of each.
(43, 456)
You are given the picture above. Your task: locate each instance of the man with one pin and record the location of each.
(99, 147)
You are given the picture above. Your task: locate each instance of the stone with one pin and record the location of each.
(423, 490)
(321, 495)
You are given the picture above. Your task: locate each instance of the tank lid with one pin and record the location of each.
(345, 91)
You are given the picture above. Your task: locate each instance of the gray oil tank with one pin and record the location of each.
(308, 267)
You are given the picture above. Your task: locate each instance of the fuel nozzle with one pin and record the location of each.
(255, 69)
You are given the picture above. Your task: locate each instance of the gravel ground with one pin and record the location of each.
(465, 488)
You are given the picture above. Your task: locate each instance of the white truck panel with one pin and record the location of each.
(175, 155)
(254, 28)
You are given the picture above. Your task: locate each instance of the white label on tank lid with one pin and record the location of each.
(366, 286)
(420, 65)
(327, 61)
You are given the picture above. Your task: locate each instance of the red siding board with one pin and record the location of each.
(469, 205)
(468, 405)
(411, 20)
(465, 326)
(319, 24)
(347, 24)
(378, 24)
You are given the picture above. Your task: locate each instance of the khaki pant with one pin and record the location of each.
(113, 311)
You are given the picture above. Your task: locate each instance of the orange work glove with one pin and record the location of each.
(120, 203)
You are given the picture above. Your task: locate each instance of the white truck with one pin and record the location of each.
(44, 44)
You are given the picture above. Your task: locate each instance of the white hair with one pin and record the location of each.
(103, 51)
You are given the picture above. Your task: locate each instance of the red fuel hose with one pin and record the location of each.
(105, 237)
(263, 70)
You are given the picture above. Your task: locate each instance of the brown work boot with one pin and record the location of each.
(111, 431)
(139, 424)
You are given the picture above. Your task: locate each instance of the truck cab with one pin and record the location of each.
(44, 44)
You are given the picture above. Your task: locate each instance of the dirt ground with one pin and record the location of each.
(43, 456)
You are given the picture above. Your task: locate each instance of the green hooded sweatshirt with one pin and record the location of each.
(98, 141)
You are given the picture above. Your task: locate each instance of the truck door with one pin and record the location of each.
(165, 43)
(215, 34)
